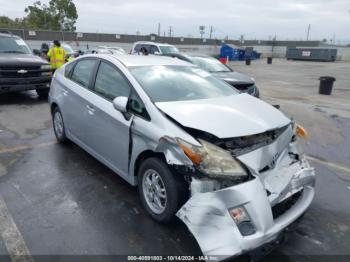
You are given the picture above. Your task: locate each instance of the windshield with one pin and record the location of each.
(13, 45)
(180, 83)
(210, 64)
(168, 49)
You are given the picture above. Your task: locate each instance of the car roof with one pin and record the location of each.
(9, 35)
(151, 43)
(141, 60)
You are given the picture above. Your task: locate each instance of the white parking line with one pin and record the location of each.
(330, 164)
(11, 236)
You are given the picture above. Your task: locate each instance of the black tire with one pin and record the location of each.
(60, 136)
(175, 189)
(43, 93)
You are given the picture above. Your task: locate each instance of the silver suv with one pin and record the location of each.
(227, 164)
(153, 48)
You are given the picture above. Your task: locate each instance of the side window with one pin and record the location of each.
(83, 71)
(137, 48)
(153, 49)
(136, 106)
(68, 69)
(148, 47)
(110, 83)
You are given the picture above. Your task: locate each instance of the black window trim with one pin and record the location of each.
(132, 89)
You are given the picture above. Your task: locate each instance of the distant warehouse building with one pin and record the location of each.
(312, 54)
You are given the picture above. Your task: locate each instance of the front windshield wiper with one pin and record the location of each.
(14, 52)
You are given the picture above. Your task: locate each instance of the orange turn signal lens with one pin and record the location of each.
(300, 131)
(196, 159)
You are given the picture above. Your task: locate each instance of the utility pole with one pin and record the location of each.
(308, 32)
(202, 30)
(170, 31)
(211, 31)
(158, 29)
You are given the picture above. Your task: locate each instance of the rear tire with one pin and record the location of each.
(160, 192)
(58, 125)
(43, 93)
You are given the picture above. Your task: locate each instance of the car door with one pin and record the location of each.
(109, 129)
(76, 94)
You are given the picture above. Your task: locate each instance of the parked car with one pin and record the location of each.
(239, 81)
(115, 49)
(227, 164)
(20, 69)
(153, 48)
(98, 51)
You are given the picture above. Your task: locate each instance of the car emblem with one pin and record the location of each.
(22, 71)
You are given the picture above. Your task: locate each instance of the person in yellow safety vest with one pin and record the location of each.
(56, 55)
(69, 58)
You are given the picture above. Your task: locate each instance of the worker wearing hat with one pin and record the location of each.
(56, 55)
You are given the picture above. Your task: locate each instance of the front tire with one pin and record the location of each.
(159, 191)
(58, 125)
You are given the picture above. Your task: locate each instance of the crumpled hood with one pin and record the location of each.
(21, 59)
(225, 117)
(233, 77)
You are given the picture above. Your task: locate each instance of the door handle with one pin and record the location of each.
(90, 109)
(65, 92)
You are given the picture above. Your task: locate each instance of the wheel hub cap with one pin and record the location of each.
(154, 191)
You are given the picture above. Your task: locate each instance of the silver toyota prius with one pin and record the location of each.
(227, 164)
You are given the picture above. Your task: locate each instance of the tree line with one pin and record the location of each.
(57, 15)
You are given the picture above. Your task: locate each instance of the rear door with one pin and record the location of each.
(108, 130)
(76, 94)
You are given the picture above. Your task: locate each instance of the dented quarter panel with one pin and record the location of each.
(157, 136)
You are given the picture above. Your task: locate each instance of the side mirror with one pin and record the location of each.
(36, 52)
(120, 103)
(156, 53)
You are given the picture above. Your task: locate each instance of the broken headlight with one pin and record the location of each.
(213, 160)
(299, 131)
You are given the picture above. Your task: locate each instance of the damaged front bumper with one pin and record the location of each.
(207, 214)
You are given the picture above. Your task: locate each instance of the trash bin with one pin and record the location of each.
(326, 85)
(248, 61)
(269, 60)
